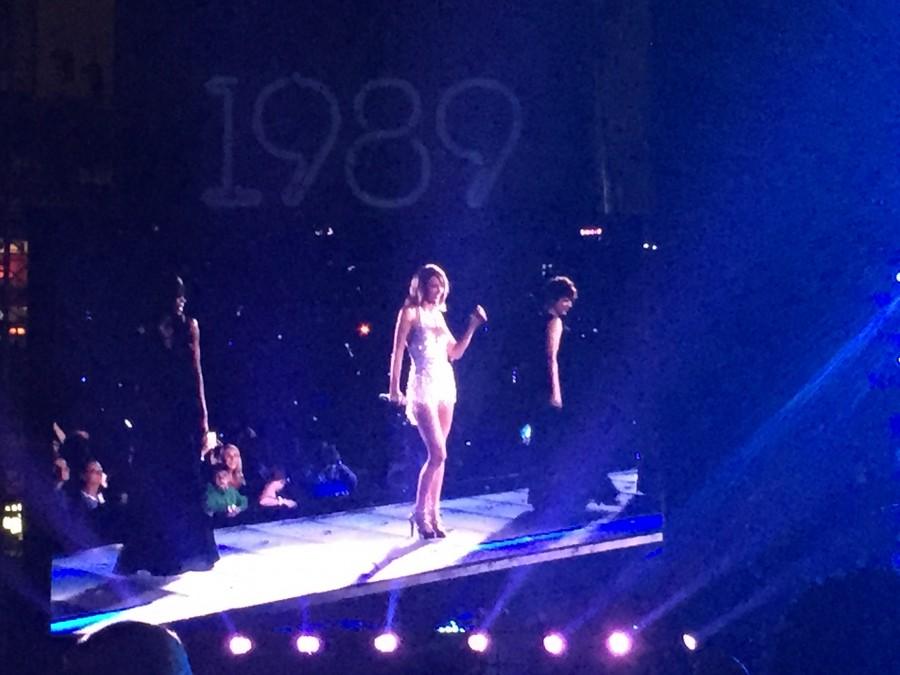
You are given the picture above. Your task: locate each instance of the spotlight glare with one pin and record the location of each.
(554, 644)
(689, 641)
(364, 329)
(619, 643)
(308, 644)
(478, 642)
(897, 277)
(525, 433)
(239, 645)
(386, 643)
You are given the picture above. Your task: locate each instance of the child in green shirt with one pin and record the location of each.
(221, 499)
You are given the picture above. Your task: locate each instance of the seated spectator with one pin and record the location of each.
(61, 473)
(270, 497)
(335, 479)
(231, 458)
(61, 490)
(93, 482)
(87, 504)
(221, 498)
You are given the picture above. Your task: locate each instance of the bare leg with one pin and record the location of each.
(432, 435)
(445, 419)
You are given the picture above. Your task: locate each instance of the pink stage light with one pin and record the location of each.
(478, 642)
(239, 645)
(308, 644)
(619, 643)
(386, 643)
(555, 644)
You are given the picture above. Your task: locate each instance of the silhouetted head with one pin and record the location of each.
(129, 647)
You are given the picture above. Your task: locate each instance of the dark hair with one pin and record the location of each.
(161, 291)
(419, 283)
(557, 288)
(76, 450)
(277, 472)
(216, 469)
(112, 650)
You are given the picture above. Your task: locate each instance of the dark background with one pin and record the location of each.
(751, 359)
(281, 289)
(768, 133)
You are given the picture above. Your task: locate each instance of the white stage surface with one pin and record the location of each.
(332, 557)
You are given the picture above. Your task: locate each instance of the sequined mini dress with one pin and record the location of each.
(431, 379)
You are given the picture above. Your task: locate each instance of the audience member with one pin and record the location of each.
(129, 647)
(61, 473)
(221, 498)
(231, 458)
(334, 479)
(270, 497)
(76, 448)
(93, 482)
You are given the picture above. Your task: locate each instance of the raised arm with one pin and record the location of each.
(198, 374)
(554, 335)
(457, 348)
(401, 332)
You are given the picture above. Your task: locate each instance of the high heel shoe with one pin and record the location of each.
(437, 525)
(417, 521)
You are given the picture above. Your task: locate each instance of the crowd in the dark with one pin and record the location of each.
(95, 491)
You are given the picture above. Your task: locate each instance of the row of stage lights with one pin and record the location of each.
(618, 643)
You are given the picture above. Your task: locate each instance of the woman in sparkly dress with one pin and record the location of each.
(431, 387)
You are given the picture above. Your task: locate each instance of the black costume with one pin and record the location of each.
(169, 533)
(548, 424)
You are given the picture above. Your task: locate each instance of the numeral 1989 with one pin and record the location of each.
(483, 171)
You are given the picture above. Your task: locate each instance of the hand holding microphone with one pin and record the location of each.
(395, 398)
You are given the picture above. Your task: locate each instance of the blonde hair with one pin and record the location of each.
(419, 283)
(236, 476)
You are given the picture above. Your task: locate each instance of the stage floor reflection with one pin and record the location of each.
(332, 557)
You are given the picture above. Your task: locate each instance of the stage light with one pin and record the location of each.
(364, 329)
(308, 644)
(84, 379)
(478, 642)
(386, 643)
(128, 423)
(555, 644)
(239, 645)
(897, 277)
(690, 642)
(646, 245)
(619, 643)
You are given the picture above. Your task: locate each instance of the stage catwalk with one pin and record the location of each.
(329, 558)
